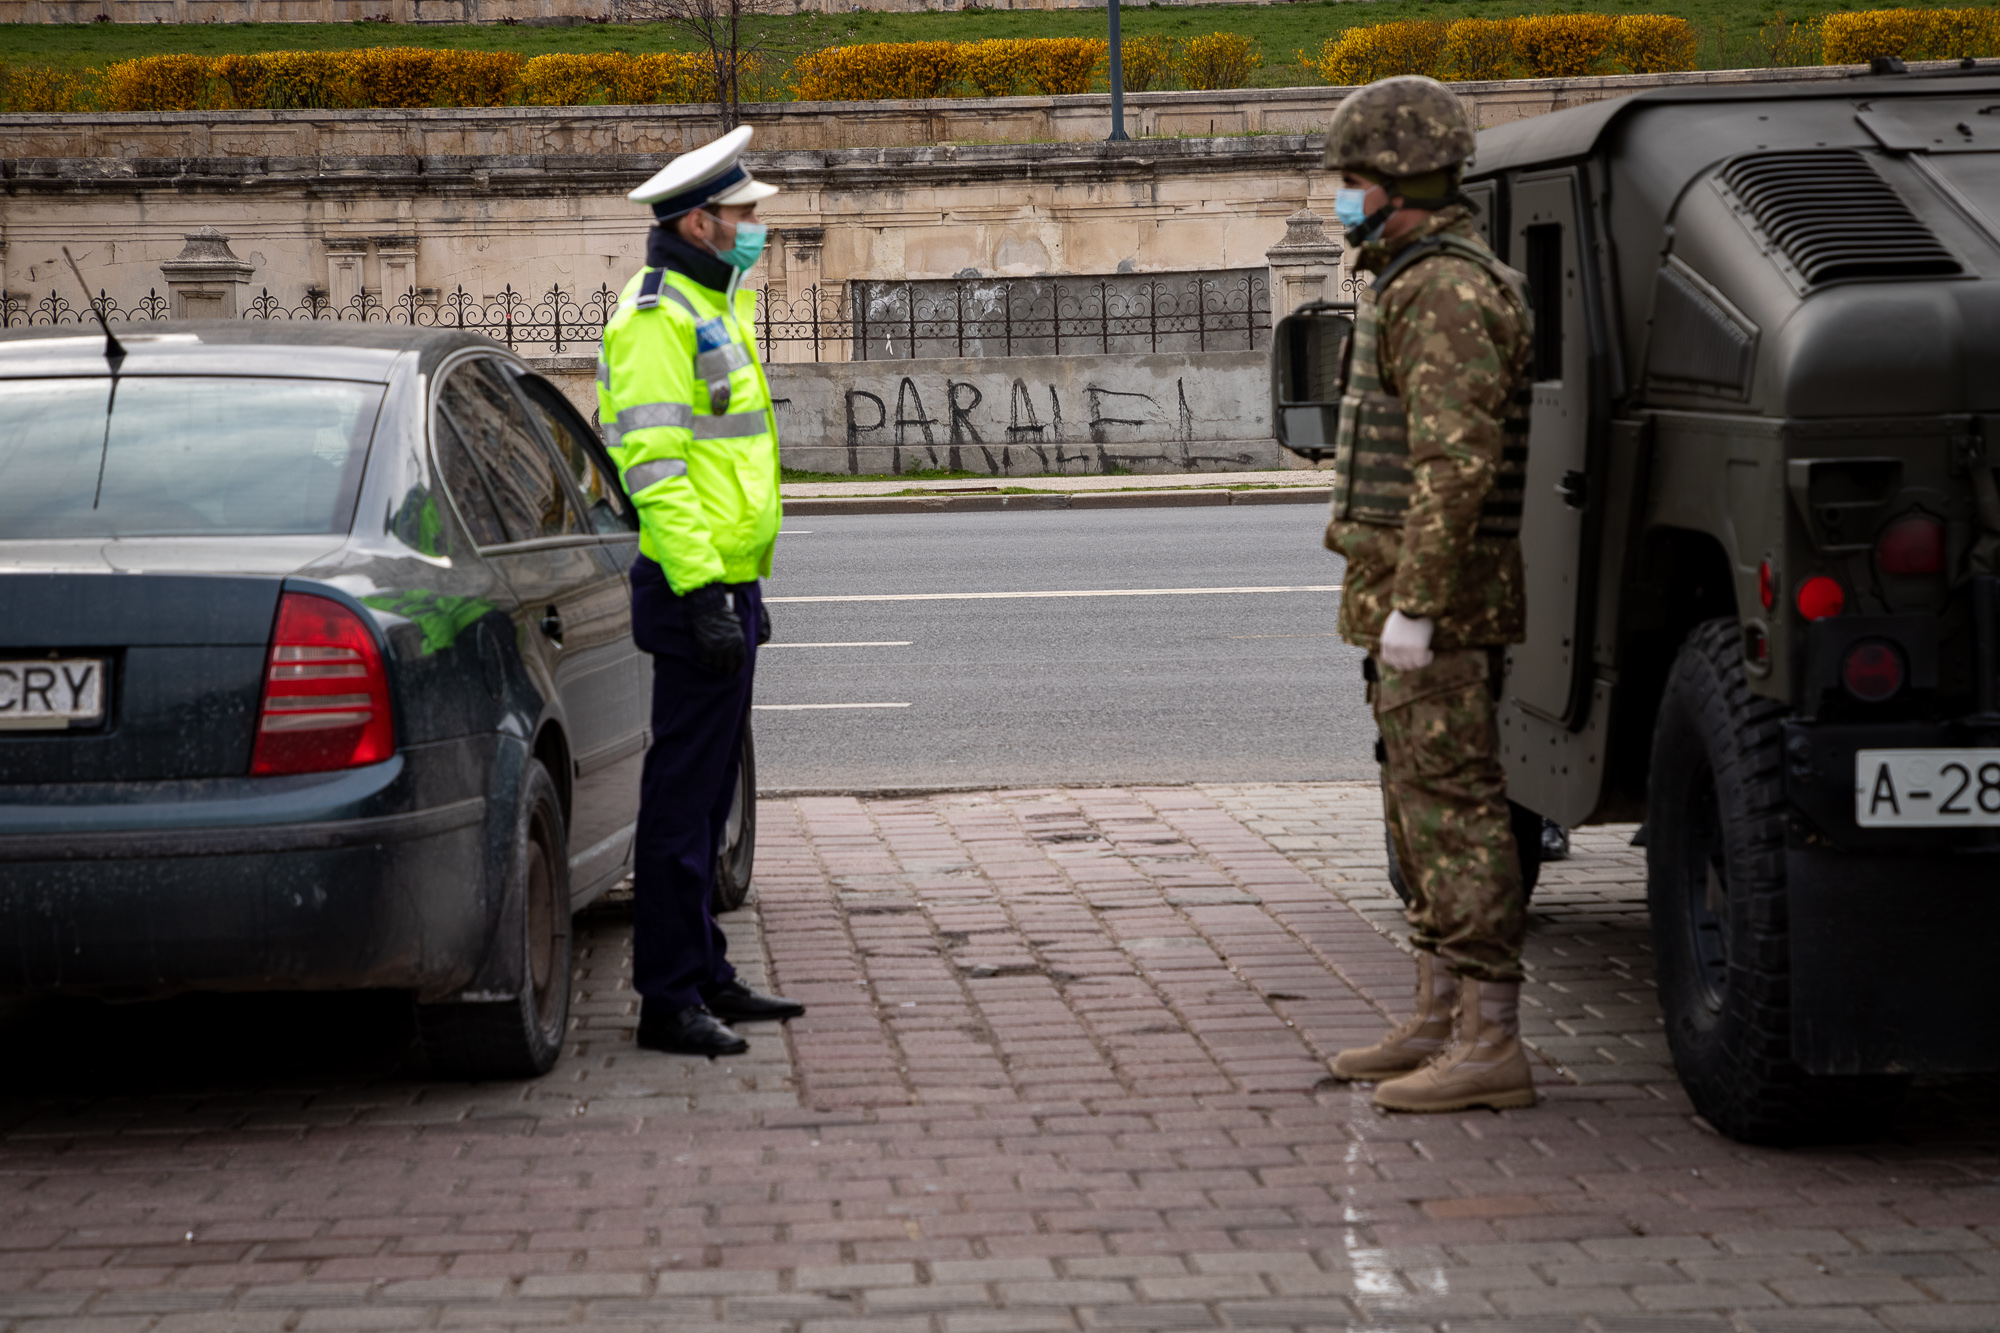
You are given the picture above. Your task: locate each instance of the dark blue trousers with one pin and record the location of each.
(690, 776)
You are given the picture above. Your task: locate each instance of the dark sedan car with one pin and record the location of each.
(315, 673)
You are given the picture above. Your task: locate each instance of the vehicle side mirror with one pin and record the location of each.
(1308, 371)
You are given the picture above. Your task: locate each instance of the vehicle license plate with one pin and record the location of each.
(1927, 788)
(50, 693)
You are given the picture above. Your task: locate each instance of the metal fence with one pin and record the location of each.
(867, 321)
(1126, 313)
(555, 321)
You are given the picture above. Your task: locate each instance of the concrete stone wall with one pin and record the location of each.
(1011, 416)
(1016, 416)
(341, 138)
(331, 205)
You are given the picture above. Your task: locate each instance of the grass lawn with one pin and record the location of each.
(1729, 30)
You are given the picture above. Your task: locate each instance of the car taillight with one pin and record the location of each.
(1872, 671)
(1767, 585)
(1820, 597)
(1912, 545)
(326, 692)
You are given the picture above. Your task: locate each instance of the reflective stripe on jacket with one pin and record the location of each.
(692, 431)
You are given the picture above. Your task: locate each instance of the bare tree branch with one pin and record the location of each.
(733, 38)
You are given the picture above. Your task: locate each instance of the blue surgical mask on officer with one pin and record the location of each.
(748, 245)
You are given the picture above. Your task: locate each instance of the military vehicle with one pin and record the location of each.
(1762, 537)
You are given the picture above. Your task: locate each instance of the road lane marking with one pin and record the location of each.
(1332, 634)
(854, 643)
(796, 532)
(793, 708)
(1077, 592)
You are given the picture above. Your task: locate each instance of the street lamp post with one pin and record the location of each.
(1118, 133)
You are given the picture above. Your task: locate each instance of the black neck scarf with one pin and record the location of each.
(669, 250)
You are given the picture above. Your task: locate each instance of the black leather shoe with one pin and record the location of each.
(739, 1004)
(692, 1031)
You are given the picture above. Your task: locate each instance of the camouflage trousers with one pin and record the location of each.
(1444, 796)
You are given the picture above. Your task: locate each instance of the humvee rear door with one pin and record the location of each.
(1545, 672)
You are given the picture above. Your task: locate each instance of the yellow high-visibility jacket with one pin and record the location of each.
(687, 418)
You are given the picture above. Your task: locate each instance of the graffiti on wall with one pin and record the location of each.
(954, 426)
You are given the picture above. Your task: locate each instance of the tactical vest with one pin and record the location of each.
(1372, 481)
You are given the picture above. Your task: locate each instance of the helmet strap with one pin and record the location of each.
(1371, 226)
(1432, 203)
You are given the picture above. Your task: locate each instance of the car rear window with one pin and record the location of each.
(182, 456)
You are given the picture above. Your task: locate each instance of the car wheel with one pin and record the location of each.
(1715, 888)
(739, 835)
(1527, 843)
(521, 1036)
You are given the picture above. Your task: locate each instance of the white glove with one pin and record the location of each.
(1406, 643)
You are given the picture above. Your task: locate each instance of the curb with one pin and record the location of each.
(979, 504)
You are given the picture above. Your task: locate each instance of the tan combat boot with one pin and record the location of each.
(1419, 1037)
(1485, 1067)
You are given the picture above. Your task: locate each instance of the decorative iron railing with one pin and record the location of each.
(20, 310)
(1030, 316)
(868, 320)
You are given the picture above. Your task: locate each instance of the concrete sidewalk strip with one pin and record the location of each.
(1064, 483)
(1207, 497)
(1064, 1067)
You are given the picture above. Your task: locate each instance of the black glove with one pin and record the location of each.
(718, 635)
(763, 624)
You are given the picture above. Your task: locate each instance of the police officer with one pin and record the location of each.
(687, 417)
(1429, 469)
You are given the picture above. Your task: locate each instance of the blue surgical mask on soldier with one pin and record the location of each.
(749, 244)
(1350, 207)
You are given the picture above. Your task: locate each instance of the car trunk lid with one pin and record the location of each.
(182, 657)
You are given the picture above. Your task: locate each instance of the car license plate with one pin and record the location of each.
(51, 693)
(1927, 788)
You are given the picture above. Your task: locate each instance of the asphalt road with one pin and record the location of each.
(1014, 691)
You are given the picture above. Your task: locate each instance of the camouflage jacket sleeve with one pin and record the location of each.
(1449, 340)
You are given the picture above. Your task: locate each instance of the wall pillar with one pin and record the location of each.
(205, 280)
(1305, 265)
(343, 273)
(804, 247)
(398, 255)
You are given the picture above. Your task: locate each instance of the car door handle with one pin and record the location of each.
(1574, 488)
(552, 626)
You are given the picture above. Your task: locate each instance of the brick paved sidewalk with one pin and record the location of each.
(1064, 1069)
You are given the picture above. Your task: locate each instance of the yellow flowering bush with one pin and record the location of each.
(156, 83)
(1477, 50)
(480, 78)
(392, 76)
(876, 70)
(1147, 61)
(620, 79)
(1914, 34)
(43, 88)
(1219, 60)
(999, 67)
(374, 77)
(1653, 43)
(1557, 46)
(1063, 66)
(1363, 55)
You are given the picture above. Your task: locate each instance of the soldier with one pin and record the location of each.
(1429, 468)
(687, 417)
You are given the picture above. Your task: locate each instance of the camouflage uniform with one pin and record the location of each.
(1433, 531)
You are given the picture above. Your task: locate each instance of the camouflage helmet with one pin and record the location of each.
(1404, 126)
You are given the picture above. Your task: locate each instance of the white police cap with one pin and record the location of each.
(711, 174)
